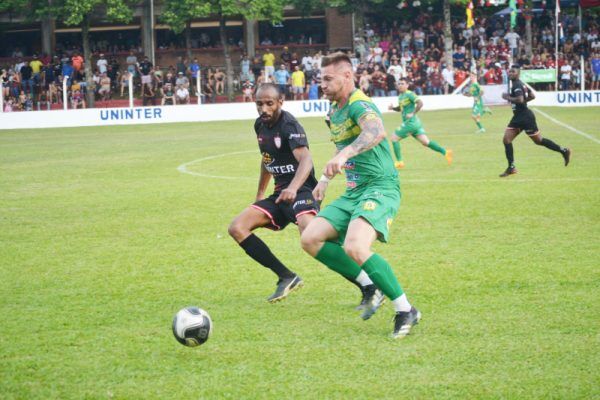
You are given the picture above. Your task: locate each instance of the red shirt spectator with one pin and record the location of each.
(490, 76)
(459, 77)
(77, 62)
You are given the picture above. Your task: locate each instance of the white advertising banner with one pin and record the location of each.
(245, 111)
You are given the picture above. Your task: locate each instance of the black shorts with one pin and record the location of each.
(524, 121)
(283, 213)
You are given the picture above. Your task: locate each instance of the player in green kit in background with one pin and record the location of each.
(409, 104)
(479, 109)
(365, 211)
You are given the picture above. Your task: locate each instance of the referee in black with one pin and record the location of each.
(524, 120)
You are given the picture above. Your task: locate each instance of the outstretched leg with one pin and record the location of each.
(549, 144)
(433, 145)
(241, 231)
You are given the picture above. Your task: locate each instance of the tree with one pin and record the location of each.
(178, 14)
(176, 18)
(79, 13)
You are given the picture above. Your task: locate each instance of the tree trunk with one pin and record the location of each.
(528, 37)
(228, 66)
(447, 34)
(87, 62)
(188, 41)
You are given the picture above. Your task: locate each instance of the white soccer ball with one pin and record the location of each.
(192, 326)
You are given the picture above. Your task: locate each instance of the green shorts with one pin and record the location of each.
(376, 205)
(477, 109)
(413, 128)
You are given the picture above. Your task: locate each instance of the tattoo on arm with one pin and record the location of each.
(372, 134)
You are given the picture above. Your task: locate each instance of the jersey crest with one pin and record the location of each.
(277, 140)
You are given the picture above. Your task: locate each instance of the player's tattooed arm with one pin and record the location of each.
(372, 133)
(263, 182)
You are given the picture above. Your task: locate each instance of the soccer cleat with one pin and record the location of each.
(404, 321)
(567, 156)
(509, 171)
(373, 299)
(487, 110)
(399, 164)
(482, 130)
(284, 287)
(449, 156)
(367, 293)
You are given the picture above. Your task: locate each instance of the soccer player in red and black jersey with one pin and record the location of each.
(285, 156)
(524, 120)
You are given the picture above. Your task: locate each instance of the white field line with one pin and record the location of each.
(183, 168)
(577, 131)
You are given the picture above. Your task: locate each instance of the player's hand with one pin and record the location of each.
(335, 165)
(505, 96)
(319, 191)
(287, 195)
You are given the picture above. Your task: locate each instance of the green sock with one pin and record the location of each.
(479, 124)
(382, 275)
(336, 259)
(436, 147)
(397, 152)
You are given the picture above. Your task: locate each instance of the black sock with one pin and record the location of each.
(551, 145)
(508, 149)
(353, 282)
(260, 252)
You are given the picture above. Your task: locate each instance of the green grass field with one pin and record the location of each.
(103, 239)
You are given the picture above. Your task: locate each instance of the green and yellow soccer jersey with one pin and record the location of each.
(407, 102)
(375, 164)
(475, 91)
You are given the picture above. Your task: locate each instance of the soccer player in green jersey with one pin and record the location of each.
(479, 109)
(410, 104)
(366, 210)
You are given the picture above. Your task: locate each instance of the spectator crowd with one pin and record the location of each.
(383, 53)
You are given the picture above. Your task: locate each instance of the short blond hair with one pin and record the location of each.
(336, 58)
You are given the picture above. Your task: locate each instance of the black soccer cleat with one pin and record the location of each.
(509, 171)
(404, 321)
(373, 298)
(284, 287)
(567, 156)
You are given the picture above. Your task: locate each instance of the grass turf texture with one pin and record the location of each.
(103, 240)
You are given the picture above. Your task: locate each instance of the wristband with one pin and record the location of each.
(324, 178)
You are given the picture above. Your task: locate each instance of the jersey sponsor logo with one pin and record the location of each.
(297, 135)
(280, 169)
(277, 141)
(267, 159)
(350, 165)
(308, 202)
(352, 177)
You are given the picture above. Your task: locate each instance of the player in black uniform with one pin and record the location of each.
(285, 156)
(524, 120)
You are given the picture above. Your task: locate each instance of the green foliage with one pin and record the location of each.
(103, 240)
(177, 13)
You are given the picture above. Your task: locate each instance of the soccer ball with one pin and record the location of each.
(192, 326)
